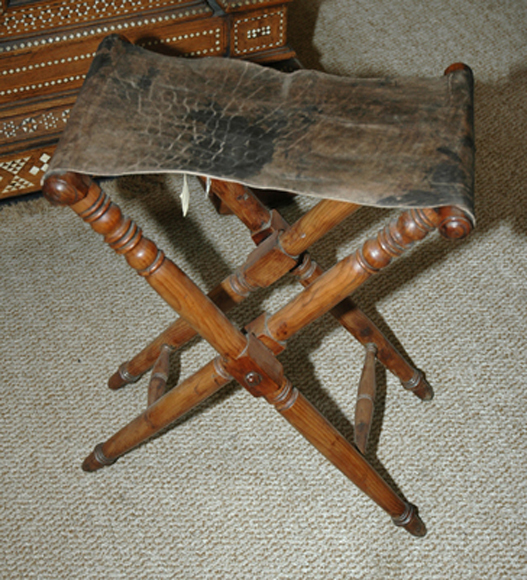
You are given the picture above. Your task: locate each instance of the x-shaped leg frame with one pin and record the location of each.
(281, 249)
(250, 356)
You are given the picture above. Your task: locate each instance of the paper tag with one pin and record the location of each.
(185, 196)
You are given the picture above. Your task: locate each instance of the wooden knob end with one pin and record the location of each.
(419, 386)
(455, 227)
(457, 66)
(66, 188)
(122, 377)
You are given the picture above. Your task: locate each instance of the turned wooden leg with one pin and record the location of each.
(125, 237)
(362, 328)
(331, 288)
(170, 407)
(320, 433)
(347, 275)
(261, 374)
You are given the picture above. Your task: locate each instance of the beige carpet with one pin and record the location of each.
(232, 491)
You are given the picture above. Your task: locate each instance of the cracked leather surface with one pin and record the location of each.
(383, 142)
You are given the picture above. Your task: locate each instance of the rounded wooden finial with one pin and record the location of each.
(455, 227)
(457, 66)
(65, 188)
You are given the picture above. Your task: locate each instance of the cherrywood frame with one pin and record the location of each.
(250, 357)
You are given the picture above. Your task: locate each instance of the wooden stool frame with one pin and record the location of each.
(250, 356)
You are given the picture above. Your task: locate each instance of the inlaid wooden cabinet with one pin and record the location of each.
(46, 48)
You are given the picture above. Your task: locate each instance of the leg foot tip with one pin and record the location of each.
(419, 386)
(116, 382)
(417, 528)
(411, 522)
(96, 460)
(121, 378)
(427, 393)
(91, 464)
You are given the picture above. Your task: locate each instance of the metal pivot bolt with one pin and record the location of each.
(253, 379)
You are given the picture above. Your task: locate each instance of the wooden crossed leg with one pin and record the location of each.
(284, 250)
(250, 356)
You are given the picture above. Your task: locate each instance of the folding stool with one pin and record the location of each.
(404, 143)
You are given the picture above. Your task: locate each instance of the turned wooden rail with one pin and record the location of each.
(159, 378)
(365, 400)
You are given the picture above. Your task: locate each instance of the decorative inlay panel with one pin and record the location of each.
(32, 19)
(231, 5)
(22, 126)
(21, 173)
(40, 73)
(205, 42)
(259, 31)
(107, 28)
(44, 71)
